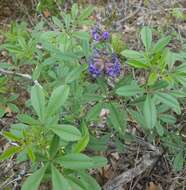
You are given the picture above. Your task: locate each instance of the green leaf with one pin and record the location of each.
(81, 35)
(57, 22)
(94, 112)
(98, 144)
(75, 183)
(99, 161)
(159, 129)
(24, 118)
(161, 44)
(168, 118)
(74, 10)
(138, 64)
(150, 113)
(18, 129)
(131, 54)
(86, 48)
(2, 112)
(146, 37)
(9, 152)
(88, 181)
(54, 145)
(37, 71)
(30, 153)
(85, 13)
(13, 107)
(169, 100)
(83, 142)
(73, 75)
(138, 117)
(33, 181)
(58, 180)
(38, 100)
(117, 118)
(67, 20)
(11, 136)
(152, 78)
(76, 161)
(129, 90)
(67, 132)
(57, 99)
(179, 161)
(159, 85)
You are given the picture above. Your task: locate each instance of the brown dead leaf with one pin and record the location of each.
(9, 61)
(108, 172)
(46, 13)
(8, 111)
(4, 53)
(152, 186)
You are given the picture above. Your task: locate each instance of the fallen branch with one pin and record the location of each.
(26, 76)
(148, 161)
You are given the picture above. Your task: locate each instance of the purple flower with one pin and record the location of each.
(95, 34)
(103, 62)
(93, 69)
(98, 35)
(115, 69)
(105, 35)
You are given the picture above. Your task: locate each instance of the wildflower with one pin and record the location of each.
(113, 70)
(105, 35)
(98, 35)
(104, 62)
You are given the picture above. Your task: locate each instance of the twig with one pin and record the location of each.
(148, 160)
(26, 76)
(7, 182)
(125, 177)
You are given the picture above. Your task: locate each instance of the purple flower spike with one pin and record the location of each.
(95, 35)
(115, 68)
(105, 35)
(98, 35)
(93, 69)
(103, 62)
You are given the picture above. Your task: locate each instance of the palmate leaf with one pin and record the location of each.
(99, 161)
(57, 99)
(94, 112)
(9, 152)
(54, 145)
(150, 113)
(169, 100)
(132, 54)
(58, 180)
(67, 132)
(88, 181)
(33, 181)
(83, 142)
(81, 35)
(129, 90)
(76, 183)
(85, 13)
(146, 37)
(161, 44)
(179, 161)
(117, 117)
(77, 161)
(38, 100)
(74, 10)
